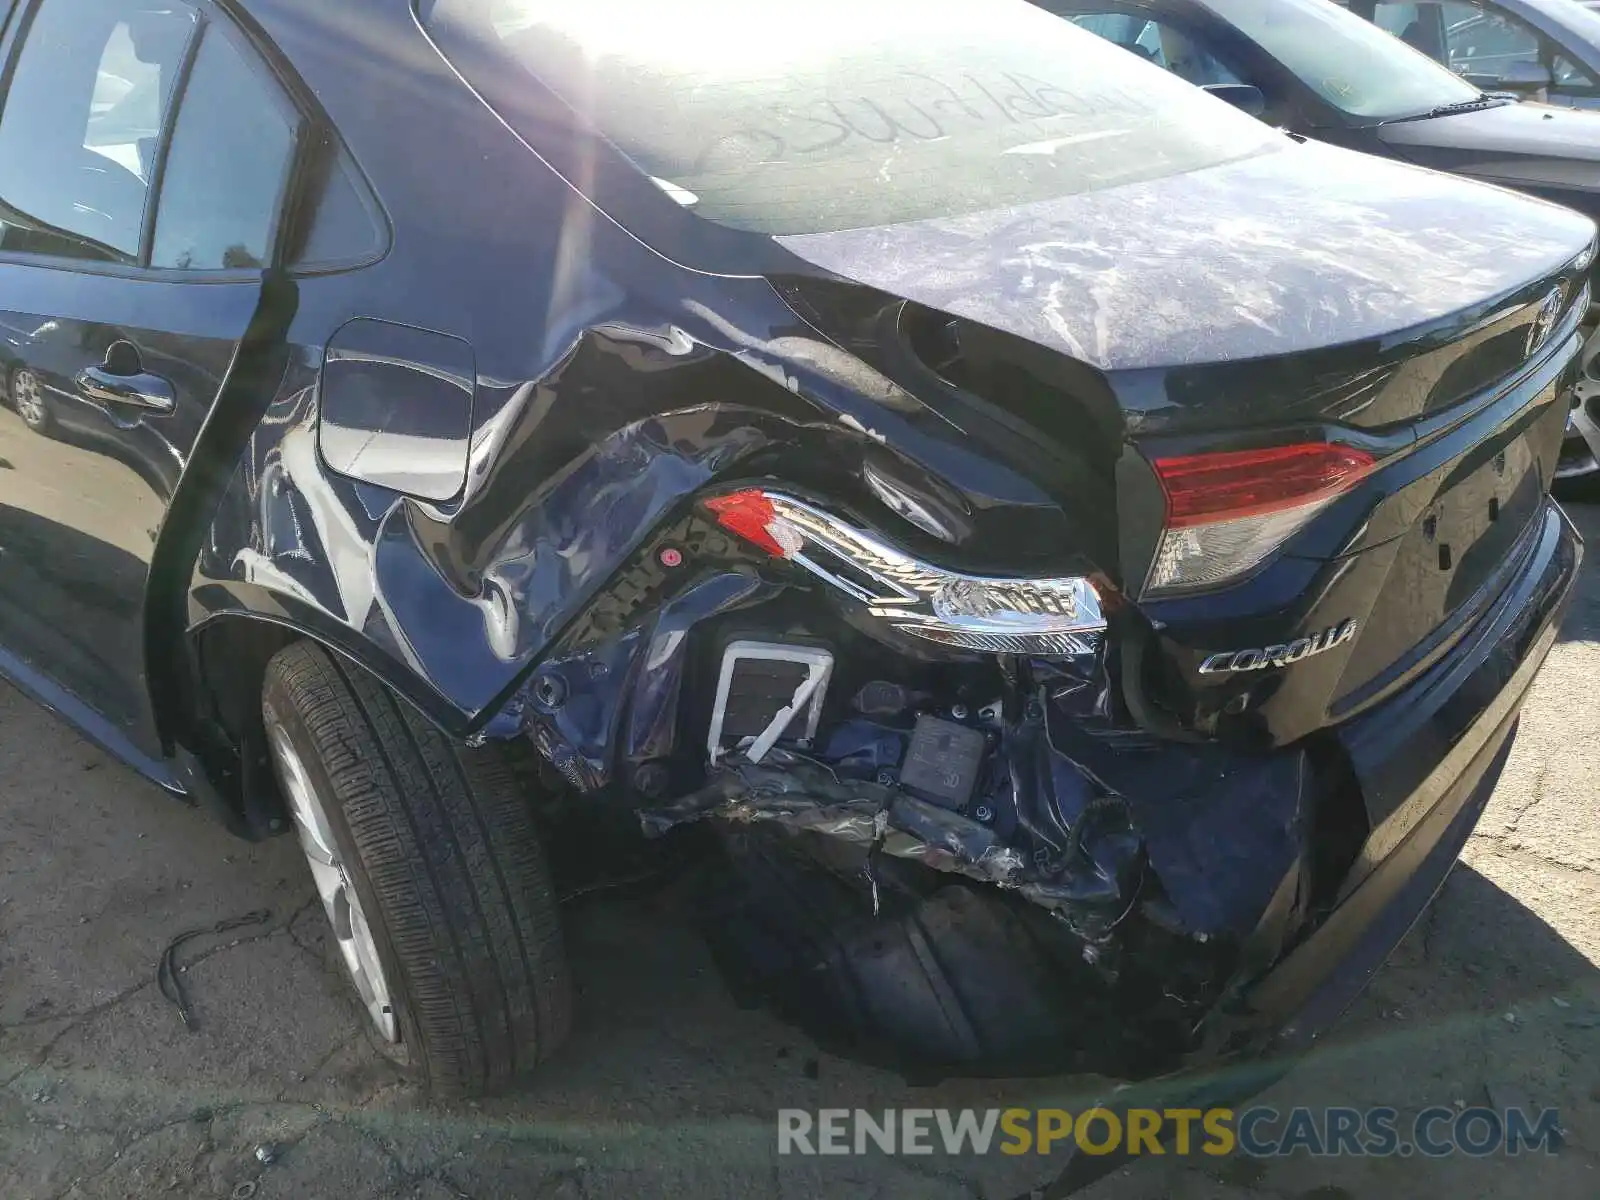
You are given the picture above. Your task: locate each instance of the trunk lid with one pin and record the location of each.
(1271, 256)
(1381, 583)
(1311, 295)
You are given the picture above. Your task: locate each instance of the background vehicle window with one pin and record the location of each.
(1492, 48)
(1121, 28)
(1161, 44)
(1420, 26)
(80, 124)
(1484, 44)
(1394, 18)
(227, 167)
(1569, 76)
(1352, 65)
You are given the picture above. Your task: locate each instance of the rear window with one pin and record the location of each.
(790, 117)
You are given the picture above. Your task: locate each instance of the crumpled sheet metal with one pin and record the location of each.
(804, 795)
(1220, 831)
(620, 705)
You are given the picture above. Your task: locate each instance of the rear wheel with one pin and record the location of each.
(427, 863)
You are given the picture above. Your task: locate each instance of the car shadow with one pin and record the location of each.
(1583, 618)
(72, 602)
(663, 1050)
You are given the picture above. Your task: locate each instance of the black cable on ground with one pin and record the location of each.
(167, 970)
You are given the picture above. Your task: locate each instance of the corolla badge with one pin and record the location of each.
(1544, 321)
(1285, 655)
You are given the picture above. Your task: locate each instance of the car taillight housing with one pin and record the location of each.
(1227, 512)
(1056, 617)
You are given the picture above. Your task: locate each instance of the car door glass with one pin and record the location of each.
(125, 107)
(1125, 30)
(80, 124)
(1417, 25)
(1571, 78)
(1162, 44)
(232, 148)
(1394, 18)
(1482, 44)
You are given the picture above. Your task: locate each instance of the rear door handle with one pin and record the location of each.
(143, 390)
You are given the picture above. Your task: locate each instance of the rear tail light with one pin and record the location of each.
(1227, 512)
(1048, 617)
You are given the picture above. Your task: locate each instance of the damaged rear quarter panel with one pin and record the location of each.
(594, 420)
(612, 384)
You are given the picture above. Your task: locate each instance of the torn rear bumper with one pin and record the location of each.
(1072, 894)
(1427, 762)
(1466, 712)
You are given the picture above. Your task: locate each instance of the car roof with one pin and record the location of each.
(1559, 11)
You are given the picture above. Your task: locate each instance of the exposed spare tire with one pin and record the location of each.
(425, 855)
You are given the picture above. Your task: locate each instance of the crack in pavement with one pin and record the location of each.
(1504, 849)
(317, 1117)
(315, 1068)
(74, 1021)
(110, 1160)
(77, 1019)
(431, 1171)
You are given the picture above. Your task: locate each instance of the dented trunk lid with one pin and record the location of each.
(1303, 295)
(1271, 256)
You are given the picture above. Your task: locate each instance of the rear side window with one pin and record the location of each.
(342, 225)
(152, 134)
(803, 116)
(231, 156)
(81, 123)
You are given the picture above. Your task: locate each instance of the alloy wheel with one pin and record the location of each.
(27, 395)
(346, 915)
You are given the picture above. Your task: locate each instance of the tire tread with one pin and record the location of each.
(447, 844)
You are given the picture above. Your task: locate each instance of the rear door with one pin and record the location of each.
(144, 159)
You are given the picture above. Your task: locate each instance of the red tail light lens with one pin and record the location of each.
(1202, 488)
(1227, 512)
(752, 516)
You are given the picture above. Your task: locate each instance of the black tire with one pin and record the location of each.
(439, 845)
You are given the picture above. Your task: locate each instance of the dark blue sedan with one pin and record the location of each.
(1074, 553)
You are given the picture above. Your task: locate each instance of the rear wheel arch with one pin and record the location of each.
(230, 652)
(447, 858)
